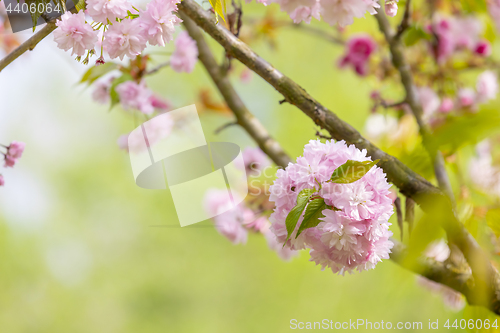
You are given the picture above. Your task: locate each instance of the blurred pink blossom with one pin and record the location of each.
(185, 55)
(358, 52)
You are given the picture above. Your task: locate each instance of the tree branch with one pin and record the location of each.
(410, 184)
(434, 271)
(243, 116)
(28, 44)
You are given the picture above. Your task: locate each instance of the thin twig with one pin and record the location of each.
(156, 69)
(227, 125)
(28, 44)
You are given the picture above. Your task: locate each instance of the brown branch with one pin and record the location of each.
(227, 125)
(28, 44)
(156, 69)
(243, 116)
(410, 184)
(405, 23)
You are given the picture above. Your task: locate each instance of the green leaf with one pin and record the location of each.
(219, 7)
(95, 72)
(314, 212)
(115, 98)
(414, 34)
(474, 6)
(351, 171)
(493, 220)
(295, 214)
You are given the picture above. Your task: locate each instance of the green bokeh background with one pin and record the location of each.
(82, 249)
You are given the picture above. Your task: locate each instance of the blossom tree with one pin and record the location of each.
(336, 199)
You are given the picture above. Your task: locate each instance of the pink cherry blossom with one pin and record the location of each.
(123, 142)
(135, 96)
(74, 33)
(185, 55)
(2, 180)
(108, 10)
(284, 253)
(229, 225)
(125, 38)
(354, 236)
(358, 52)
(16, 149)
(391, 7)
(159, 21)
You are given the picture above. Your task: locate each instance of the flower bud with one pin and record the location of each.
(391, 7)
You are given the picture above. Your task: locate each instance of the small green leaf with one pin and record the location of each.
(295, 214)
(351, 171)
(115, 98)
(493, 220)
(95, 72)
(314, 212)
(414, 34)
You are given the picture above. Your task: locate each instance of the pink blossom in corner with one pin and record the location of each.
(158, 21)
(160, 104)
(16, 149)
(2, 180)
(391, 7)
(185, 55)
(487, 86)
(108, 10)
(125, 38)
(358, 52)
(74, 33)
(135, 96)
(343, 12)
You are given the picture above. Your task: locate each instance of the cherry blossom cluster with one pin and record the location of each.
(354, 231)
(125, 29)
(236, 223)
(12, 154)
